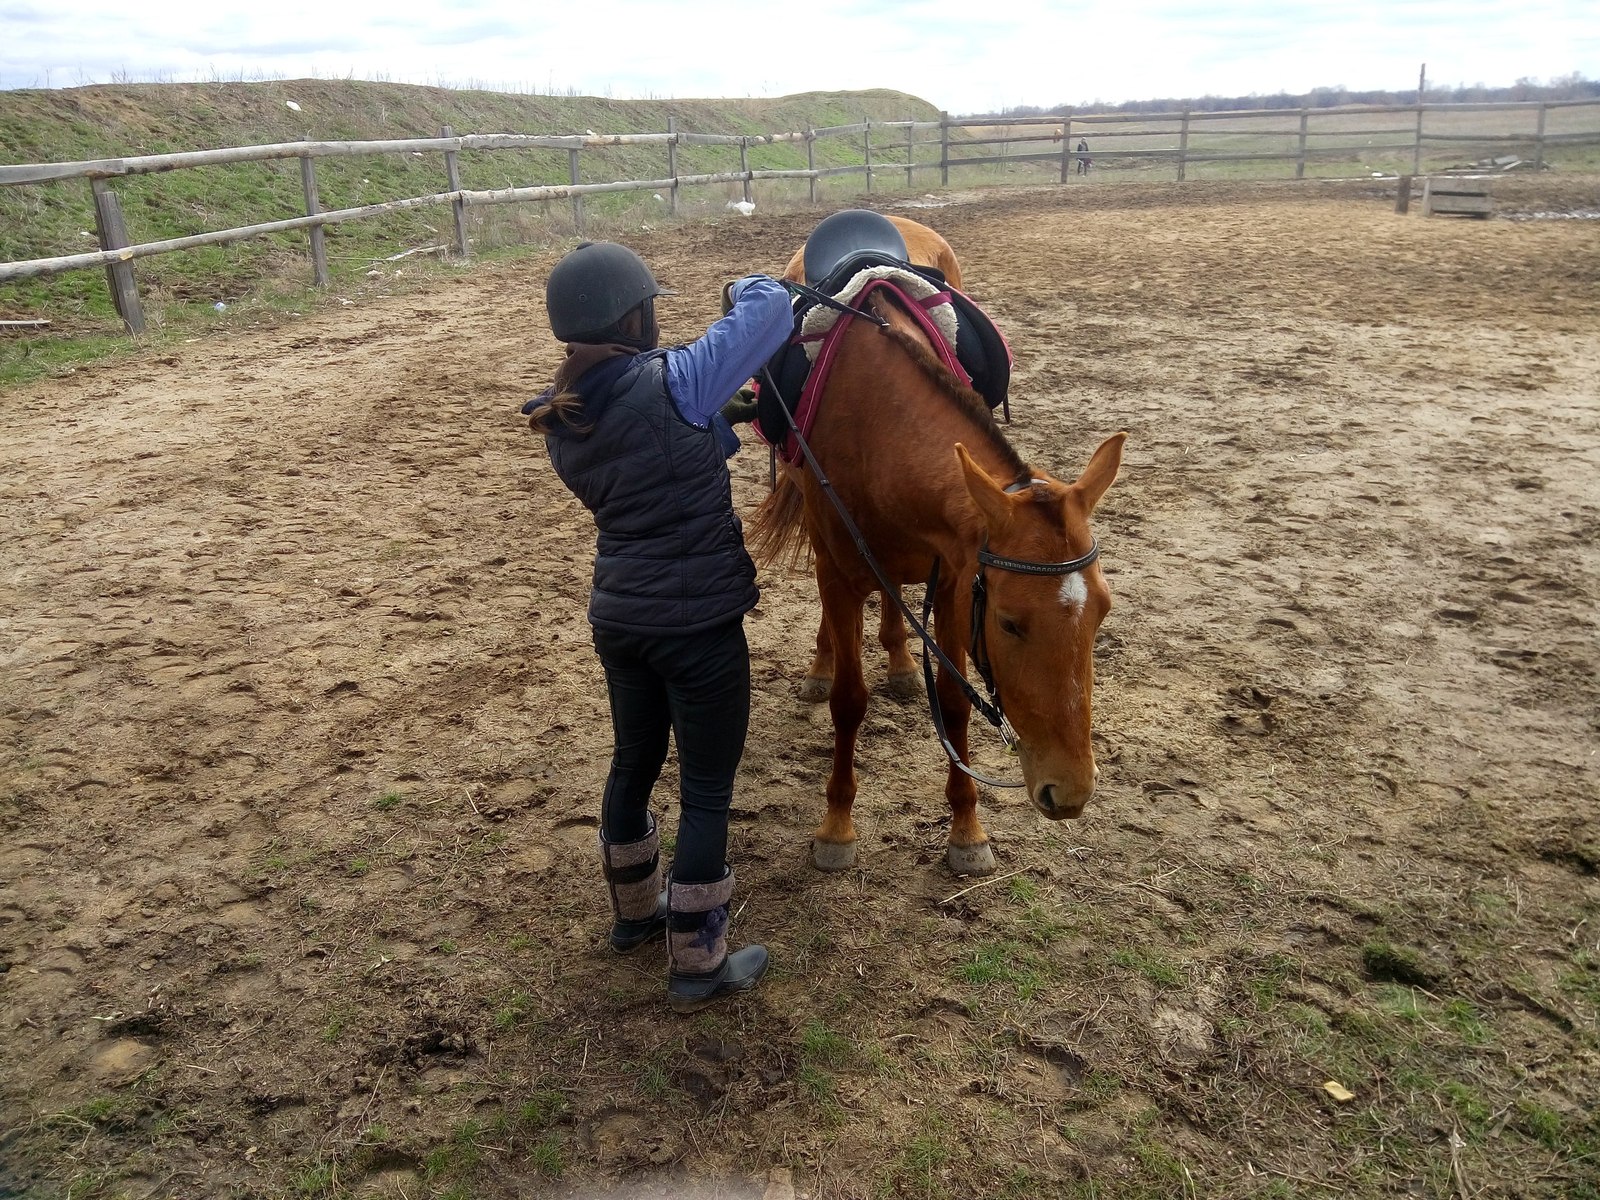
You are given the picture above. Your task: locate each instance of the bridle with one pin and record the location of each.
(978, 647)
(991, 708)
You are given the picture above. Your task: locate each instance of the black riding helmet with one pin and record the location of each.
(847, 234)
(594, 287)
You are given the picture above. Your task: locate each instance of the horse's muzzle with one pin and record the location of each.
(1061, 803)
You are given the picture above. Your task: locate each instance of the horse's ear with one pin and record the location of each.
(988, 495)
(1101, 471)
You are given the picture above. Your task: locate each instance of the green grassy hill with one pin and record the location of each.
(114, 121)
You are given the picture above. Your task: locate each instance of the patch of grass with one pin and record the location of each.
(918, 1170)
(339, 1014)
(542, 1109)
(820, 1044)
(1100, 1086)
(547, 1157)
(1540, 1123)
(1006, 962)
(1399, 1002)
(1159, 1163)
(459, 1156)
(109, 1112)
(315, 1179)
(1264, 985)
(1151, 965)
(654, 1081)
(512, 1008)
(388, 800)
(28, 358)
(1023, 889)
(1465, 1021)
(1583, 981)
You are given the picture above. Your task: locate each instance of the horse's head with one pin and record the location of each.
(1039, 629)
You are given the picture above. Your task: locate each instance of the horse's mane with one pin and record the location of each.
(965, 399)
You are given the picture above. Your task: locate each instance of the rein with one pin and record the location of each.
(991, 709)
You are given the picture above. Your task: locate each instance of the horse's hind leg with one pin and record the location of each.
(814, 688)
(903, 682)
(833, 846)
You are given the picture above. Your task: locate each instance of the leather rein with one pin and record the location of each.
(991, 707)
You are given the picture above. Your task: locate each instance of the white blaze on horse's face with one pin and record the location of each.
(1074, 591)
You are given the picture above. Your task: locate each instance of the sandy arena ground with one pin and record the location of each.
(303, 738)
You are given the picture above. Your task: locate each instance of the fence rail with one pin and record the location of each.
(116, 254)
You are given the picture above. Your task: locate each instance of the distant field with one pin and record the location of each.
(1338, 144)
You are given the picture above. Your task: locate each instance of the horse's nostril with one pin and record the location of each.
(1047, 796)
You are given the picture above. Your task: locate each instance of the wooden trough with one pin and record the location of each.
(1451, 194)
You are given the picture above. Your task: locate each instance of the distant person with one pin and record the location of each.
(636, 433)
(1083, 156)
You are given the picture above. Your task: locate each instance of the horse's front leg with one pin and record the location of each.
(814, 688)
(904, 680)
(967, 851)
(833, 846)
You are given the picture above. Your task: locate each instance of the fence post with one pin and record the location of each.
(1538, 139)
(811, 161)
(744, 165)
(911, 155)
(577, 201)
(672, 160)
(319, 244)
(452, 171)
(1300, 161)
(1183, 144)
(866, 142)
(1416, 146)
(1066, 146)
(114, 236)
(1402, 195)
(944, 149)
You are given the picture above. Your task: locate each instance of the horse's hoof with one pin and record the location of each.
(970, 860)
(907, 685)
(836, 856)
(814, 689)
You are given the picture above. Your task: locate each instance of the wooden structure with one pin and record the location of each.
(1183, 138)
(1456, 194)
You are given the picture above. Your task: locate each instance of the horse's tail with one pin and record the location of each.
(777, 534)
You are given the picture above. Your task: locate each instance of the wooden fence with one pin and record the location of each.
(887, 158)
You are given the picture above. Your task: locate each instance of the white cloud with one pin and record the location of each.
(950, 52)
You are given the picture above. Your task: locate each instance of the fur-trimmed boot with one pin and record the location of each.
(702, 969)
(633, 877)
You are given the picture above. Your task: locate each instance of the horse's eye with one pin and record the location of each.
(1009, 627)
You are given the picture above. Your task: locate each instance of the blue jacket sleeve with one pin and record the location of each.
(704, 375)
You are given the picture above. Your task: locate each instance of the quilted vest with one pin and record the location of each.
(669, 555)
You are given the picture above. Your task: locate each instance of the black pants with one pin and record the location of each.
(698, 687)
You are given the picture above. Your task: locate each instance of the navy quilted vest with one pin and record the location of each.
(670, 556)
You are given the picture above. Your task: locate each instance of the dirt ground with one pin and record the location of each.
(303, 739)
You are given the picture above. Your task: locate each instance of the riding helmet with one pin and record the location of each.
(594, 287)
(847, 234)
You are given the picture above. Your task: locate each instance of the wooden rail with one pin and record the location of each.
(116, 255)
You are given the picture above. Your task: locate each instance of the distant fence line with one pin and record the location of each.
(116, 253)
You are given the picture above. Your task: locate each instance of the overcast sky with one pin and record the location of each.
(962, 55)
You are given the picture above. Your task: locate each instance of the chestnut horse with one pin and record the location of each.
(923, 469)
(926, 248)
